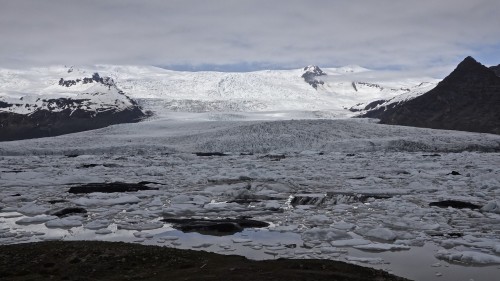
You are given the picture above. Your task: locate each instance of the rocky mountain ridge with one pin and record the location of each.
(468, 99)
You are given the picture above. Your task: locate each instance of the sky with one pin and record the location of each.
(429, 36)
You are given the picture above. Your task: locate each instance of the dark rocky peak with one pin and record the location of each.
(96, 78)
(496, 69)
(314, 70)
(310, 74)
(469, 71)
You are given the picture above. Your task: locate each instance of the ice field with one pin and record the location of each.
(342, 189)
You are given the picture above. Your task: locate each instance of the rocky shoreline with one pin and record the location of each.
(94, 260)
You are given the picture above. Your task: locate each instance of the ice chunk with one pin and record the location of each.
(468, 257)
(180, 199)
(381, 233)
(68, 222)
(103, 231)
(32, 209)
(382, 247)
(169, 238)
(492, 207)
(350, 242)
(325, 234)
(319, 219)
(35, 220)
(97, 224)
(241, 240)
(496, 248)
(343, 225)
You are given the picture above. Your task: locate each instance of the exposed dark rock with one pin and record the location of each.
(89, 165)
(466, 100)
(44, 123)
(454, 173)
(496, 69)
(374, 104)
(214, 227)
(357, 178)
(432, 155)
(69, 211)
(210, 154)
(454, 204)
(308, 199)
(275, 157)
(310, 75)
(109, 187)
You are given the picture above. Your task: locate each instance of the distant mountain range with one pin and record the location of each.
(467, 100)
(41, 102)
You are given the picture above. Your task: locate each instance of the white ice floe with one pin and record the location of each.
(320, 219)
(492, 207)
(32, 209)
(381, 233)
(469, 257)
(350, 242)
(35, 220)
(97, 224)
(324, 234)
(103, 231)
(68, 222)
(382, 247)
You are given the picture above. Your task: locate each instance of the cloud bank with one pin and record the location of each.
(388, 34)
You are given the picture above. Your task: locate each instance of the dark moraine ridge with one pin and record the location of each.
(466, 100)
(92, 260)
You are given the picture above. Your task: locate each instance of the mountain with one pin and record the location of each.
(335, 90)
(46, 101)
(467, 100)
(42, 107)
(310, 75)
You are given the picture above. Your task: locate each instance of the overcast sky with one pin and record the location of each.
(250, 34)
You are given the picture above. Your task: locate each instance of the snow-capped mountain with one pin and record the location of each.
(34, 105)
(332, 89)
(89, 92)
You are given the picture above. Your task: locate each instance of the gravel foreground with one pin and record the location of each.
(95, 260)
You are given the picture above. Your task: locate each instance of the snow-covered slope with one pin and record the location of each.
(336, 90)
(49, 102)
(27, 92)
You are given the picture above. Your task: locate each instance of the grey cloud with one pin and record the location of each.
(287, 33)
